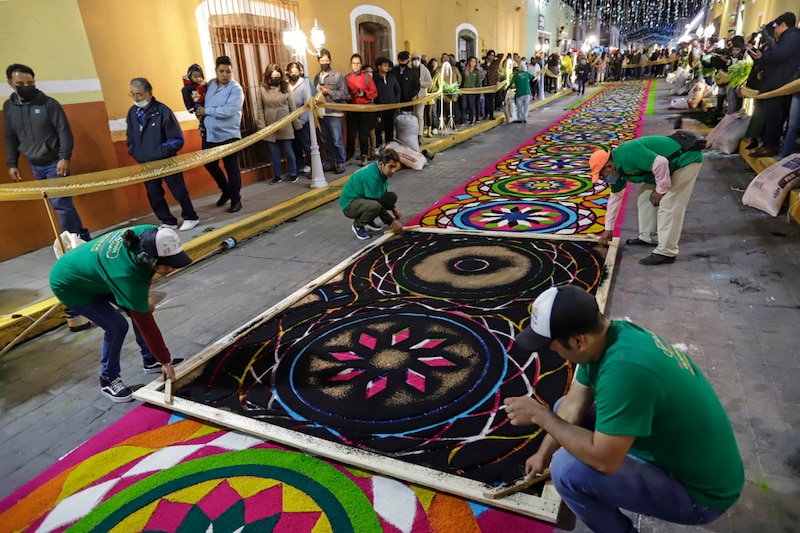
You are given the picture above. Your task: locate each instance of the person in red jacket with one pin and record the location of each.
(361, 90)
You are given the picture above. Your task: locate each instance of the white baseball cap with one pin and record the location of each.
(557, 313)
(169, 249)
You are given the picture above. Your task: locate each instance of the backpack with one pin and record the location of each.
(689, 141)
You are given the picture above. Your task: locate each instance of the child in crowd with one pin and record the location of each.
(194, 92)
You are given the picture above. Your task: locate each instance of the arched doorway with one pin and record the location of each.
(374, 38)
(466, 41)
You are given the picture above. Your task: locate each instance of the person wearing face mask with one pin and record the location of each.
(301, 92)
(332, 85)
(222, 117)
(36, 126)
(425, 83)
(275, 102)
(666, 173)
(407, 78)
(154, 133)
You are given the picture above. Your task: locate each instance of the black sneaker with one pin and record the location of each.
(223, 199)
(155, 368)
(236, 206)
(657, 259)
(276, 179)
(339, 170)
(291, 179)
(116, 390)
(361, 233)
(328, 167)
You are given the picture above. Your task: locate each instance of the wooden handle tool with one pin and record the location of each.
(520, 484)
(168, 392)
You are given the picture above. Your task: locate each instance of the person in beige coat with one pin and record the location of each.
(275, 102)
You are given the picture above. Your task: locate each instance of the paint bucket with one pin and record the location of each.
(228, 243)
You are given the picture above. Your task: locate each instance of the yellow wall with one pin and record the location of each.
(50, 38)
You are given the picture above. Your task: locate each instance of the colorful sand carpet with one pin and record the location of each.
(156, 471)
(544, 185)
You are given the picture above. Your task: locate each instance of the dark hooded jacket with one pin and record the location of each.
(782, 63)
(157, 136)
(38, 129)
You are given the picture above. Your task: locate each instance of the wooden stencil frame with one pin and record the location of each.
(543, 504)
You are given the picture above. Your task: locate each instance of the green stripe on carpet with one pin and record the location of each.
(651, 100)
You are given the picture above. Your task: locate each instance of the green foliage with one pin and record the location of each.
(451, 89)
(739, 72)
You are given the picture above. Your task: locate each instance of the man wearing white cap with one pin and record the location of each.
(114, 272)
(661, 444)
(666, 174)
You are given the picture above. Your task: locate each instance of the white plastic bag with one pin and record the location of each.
(726, 135)
(510, 108)
(69, 241)
(678, 103)
(406, 126)
(769, 189)
(409, 157)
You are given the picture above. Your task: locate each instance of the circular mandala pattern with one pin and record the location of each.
(542, 186)
(529, 217)
(390, 372)
(555, 164)
(345, 506)
(584, 137)
(595, 119)
(584, 149)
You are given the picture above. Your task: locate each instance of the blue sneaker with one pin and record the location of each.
(360, 232)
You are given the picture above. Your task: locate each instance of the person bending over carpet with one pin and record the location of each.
(365, 197)
(667, 175)
(640, 428)
(116, 270)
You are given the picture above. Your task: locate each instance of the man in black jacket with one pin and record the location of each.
(36, 126)
(388, 93)
(153, 134)
(780, 65)
(407, 78)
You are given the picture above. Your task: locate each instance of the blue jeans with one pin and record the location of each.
(523, 104)
(275, 149)
(301, 144)
(232, 185)
(581, 85)
(794, 126)
(67, 214)
(155, 194)
(637, 486)
(115, 325)
(332, 140)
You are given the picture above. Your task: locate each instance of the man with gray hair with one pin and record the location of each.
(154, 133)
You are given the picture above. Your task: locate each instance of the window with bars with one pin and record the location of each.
(252, 40)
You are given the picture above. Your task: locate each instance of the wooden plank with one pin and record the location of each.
(544, 507)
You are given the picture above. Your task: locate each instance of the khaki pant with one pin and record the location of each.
(419, 112)
(663, 224)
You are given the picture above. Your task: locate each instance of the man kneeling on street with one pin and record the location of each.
(365, 197)
(640, 428)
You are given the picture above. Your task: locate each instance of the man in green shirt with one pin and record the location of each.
(364, 197)
(661, 444)
(667, 177)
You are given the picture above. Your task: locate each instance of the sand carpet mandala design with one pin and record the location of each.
(154, 471)
(545, 185)
(408, 353)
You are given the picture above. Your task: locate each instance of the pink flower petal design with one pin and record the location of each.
(436, 361)
(347, 374)
(428, 343)
(346, 356)
(416, 380)
(376, 385)
(401, 335)
(368, 340)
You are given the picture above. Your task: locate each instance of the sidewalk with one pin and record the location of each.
(730, 300)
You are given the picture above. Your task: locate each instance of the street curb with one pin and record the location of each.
(211, 242)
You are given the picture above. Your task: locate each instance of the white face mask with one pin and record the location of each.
(415, 63)
(142, 104)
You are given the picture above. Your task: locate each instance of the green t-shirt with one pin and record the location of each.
(634, 159)
(647, 389)
(522, 82)
(368, 182)
(101, 267)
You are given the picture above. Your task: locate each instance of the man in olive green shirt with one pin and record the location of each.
(667, 175)
(661, 444)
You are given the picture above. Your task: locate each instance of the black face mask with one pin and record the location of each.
(275, 81)
(27, 92)
(294, 77)
(325, 67)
